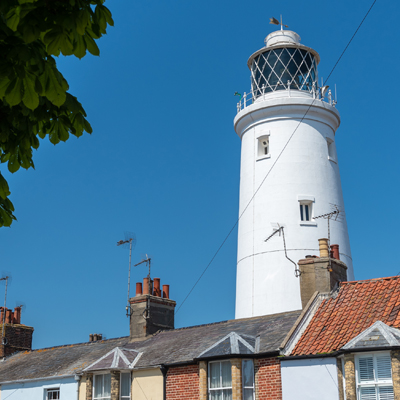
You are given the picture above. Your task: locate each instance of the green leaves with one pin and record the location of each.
(34, 98)
(6, 207)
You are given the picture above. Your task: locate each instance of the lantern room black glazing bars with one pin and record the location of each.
(281, 68)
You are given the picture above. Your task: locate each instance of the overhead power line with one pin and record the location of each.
(273, 165)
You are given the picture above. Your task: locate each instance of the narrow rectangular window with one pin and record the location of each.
(263, 146)
(125, 385)
(305, 211)
(248, 379)
(220, 380)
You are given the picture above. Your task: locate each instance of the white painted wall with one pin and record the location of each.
(310, 379)
(36, 390)
(266, 283)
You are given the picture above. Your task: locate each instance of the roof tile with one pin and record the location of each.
(357, 306)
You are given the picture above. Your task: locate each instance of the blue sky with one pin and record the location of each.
(163, 160)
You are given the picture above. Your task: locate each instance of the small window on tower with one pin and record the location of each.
(331, 149)
(306, 209)
(263, 147)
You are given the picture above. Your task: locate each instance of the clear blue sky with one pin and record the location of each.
(163, 160)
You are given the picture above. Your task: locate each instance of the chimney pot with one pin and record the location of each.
(323, 248)
(95, 337)
(146, 286)
(157, 290)
(17, 315)
(335, 251)
(8, 316)
(139, 288)
(165, 289)
(91, 337)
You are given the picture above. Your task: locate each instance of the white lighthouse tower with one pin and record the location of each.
(289, 175)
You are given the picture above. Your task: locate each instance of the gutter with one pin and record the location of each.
(39, 379)
(340, 352)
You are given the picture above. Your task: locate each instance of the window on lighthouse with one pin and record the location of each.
(305, 211)
(263, 147)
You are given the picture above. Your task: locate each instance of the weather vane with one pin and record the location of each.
(274, 21)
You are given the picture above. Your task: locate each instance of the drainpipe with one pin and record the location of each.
(77, 378)
(164, 371)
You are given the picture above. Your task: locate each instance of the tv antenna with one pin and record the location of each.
(146, 312)
(279, 230)
(130, 241)
(335, 215)
(4, 340)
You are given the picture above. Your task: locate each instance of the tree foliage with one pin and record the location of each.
(34, 97)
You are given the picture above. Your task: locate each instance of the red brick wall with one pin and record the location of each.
(183, 383)
(19, 338)
(268, 379)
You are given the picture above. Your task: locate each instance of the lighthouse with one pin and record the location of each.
(289, 175)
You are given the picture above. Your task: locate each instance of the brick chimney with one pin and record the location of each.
(17, 337)
(151, 309)
(321, 273)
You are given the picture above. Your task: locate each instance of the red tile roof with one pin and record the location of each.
(357, 306)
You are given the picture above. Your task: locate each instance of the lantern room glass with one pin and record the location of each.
(281, 68)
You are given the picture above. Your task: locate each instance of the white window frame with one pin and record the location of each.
(94, 378)
(376, 382)
(130, 386)
(331, 150)
(306, 201)
(220, 376)
(243, 385)
(52, 389)
(261, 155)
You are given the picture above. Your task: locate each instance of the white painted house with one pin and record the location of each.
(289, 175)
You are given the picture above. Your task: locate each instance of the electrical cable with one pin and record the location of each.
(278, 157)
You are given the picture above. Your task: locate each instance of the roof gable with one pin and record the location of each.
(355, 307)
(118, 358)
(377, 335)
(232, 343)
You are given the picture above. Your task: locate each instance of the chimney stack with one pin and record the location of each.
(151, 310)
(17, 337)
(322, 273)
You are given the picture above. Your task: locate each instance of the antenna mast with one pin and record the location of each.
(4, 341)
(335, 216)
(130, 239)
(147, 260)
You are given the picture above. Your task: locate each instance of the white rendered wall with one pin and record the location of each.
(310, 379)
(266, 283)
(36, 390)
